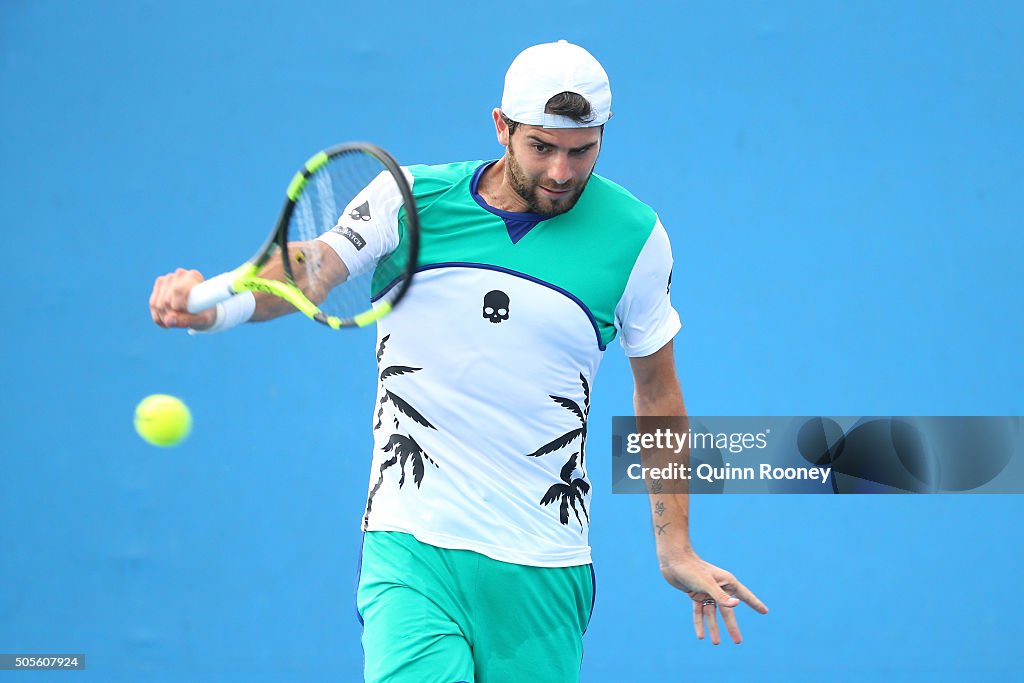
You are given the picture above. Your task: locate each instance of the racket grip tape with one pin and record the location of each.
(209, 293)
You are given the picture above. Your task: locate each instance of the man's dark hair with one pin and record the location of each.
(570, 104)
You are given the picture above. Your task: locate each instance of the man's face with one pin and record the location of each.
(549, 167)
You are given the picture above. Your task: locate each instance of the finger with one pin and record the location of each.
(744, 594)
(158, 290)
(723, 598)
(170, 315)
(184, 280)
(152, 294)
(156, 300)
(194, 277)
(698, 620)
(709, 584)
(710, 615)
(174, 291)
(179, 319)
(164, 302)
(731, 625)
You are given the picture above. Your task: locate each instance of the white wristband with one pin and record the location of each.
(235, 311)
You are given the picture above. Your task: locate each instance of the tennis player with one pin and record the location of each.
(475, 563)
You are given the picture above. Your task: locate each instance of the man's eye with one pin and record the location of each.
(540, 148)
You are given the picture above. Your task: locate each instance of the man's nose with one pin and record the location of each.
(560, 170)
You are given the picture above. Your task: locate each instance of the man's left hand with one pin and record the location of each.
(711, 588)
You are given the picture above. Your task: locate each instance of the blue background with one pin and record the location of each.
(841, 182)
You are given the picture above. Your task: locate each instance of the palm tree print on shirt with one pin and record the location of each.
(403, 447)
(570, 490)
(400, 404)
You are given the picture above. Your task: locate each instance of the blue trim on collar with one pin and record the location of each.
(518, 224)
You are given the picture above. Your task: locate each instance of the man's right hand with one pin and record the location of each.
(167, 303)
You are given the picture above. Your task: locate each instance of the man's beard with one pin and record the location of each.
(529, 191)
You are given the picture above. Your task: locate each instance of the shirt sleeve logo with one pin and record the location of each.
(351, 235)
(361, 212)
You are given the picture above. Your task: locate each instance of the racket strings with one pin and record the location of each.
(334, 199)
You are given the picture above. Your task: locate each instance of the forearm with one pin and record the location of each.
(269, 306)
(315, 282)
(669, 499)
(658, 403)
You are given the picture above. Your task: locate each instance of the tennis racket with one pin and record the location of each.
(347, 190)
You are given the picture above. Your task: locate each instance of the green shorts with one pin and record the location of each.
(434, 615)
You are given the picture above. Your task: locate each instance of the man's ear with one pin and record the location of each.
(500, 127)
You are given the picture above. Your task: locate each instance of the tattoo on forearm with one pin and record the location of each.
(659, 508)
(661, 528)
(656, 486)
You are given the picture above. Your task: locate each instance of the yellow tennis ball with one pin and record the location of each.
(163, 420)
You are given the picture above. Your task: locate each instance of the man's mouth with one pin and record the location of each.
(554, 194)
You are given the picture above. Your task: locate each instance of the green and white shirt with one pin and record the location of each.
(487, 365)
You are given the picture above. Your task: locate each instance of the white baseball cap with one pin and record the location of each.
(543, 71)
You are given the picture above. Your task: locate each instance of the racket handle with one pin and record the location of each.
(209, 293)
